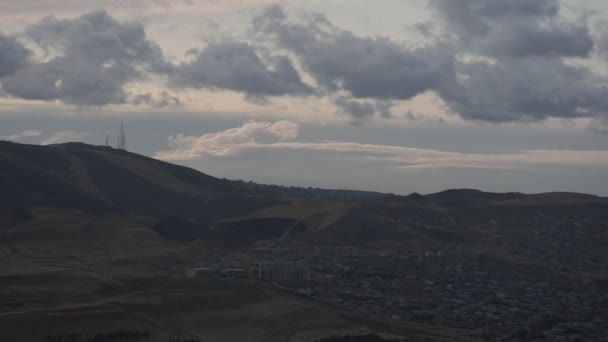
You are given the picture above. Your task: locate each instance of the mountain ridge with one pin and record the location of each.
(87, 228)
(195, 177)
(104, 181)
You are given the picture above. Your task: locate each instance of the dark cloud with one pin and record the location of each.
(475, 17)
(365, 67)
(240, 67)
(489, 60)
(71, 80)
(99, 38)
(525, 78)
(602, 41)
(568, 40)
(13, 55)
(527, 89)
(164, 99)
(364, 109)
(96, 56)
(515, 28)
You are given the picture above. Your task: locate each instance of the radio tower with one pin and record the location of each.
(121, 144)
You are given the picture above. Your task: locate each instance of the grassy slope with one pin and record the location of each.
(105, 181)
(89, 252)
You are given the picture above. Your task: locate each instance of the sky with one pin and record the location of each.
(396, 96)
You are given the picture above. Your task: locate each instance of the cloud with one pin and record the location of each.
(164, 99)
(527, 89)
(37, 8)
(65, 136)
(522, 75)
(13, 55)
(238, 66)
(222, 143)
(494, 61)
(365, 67)
(18, 136)
(599, 126)
(92, 58)
(515, 28)
(280, 138)
(72, 80)
(363, 109)
(99, 37)
(602, 40)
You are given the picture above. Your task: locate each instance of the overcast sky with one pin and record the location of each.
(396, 96)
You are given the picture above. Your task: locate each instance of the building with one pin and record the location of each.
(280, 271)
(232, 270)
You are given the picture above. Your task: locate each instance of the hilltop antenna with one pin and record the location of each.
(124, 136)
(121, 140)
(107, 140)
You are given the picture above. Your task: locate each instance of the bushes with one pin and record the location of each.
(124, 335)
(357, 338)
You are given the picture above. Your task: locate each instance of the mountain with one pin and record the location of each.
(103, 181)
(86, 233)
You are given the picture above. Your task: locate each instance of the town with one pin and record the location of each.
(443, 287)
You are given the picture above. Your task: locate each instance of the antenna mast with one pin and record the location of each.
(121, 140)
(124, 136)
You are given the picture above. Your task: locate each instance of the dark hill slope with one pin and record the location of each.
(105, 181)
(31, 175)
(468, 197)
(80, 173)
(102, 180)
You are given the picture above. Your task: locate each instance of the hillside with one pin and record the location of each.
(103, 181)
(85, 232)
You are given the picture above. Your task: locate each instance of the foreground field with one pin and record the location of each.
(68, 273)
(169, 308)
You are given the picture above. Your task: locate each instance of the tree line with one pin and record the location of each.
(129, 335)
(124, 335)
(358, 338)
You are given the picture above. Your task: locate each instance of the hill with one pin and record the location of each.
(103, 181)
(86, 230)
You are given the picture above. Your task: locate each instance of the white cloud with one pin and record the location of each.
(255, 137)
(65, 136)
(18, 136)
(227, 142)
